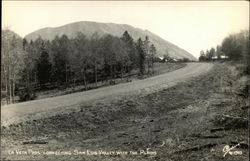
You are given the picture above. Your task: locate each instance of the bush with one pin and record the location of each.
(26, 94)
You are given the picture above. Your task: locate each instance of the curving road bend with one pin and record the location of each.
(15, 112)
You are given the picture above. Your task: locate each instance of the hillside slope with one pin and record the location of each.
(88, 28)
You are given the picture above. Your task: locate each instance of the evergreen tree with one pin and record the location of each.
(218, 52)
(146, 43)
(44, 68)
(96, 59)
(142, 56)
(131, 49)
(81, 57)
(60, 50)
(202, 56)
(152, 52)
(208, 55)
(211, 53)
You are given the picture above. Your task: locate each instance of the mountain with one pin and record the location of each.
(88, 28)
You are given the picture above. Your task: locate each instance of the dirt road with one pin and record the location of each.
(41, 108)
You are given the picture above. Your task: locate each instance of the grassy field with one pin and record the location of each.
(193, 120)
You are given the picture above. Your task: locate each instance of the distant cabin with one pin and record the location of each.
(175, 60)
(160, 57)
(215, 57)
(170, 60)
(223, 57)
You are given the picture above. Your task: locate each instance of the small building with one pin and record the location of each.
(214, 57)
(223, 57)
(175, 60)
(160, 57)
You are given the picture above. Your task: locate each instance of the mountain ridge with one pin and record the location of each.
(90, 27)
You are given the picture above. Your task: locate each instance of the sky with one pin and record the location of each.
(191, 25)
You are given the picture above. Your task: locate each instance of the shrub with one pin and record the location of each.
(26, 94)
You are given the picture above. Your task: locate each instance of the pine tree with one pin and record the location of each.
(96, 60)
(152, 51)
(131, 49)
(60, 51)
(44, 68)
(146, 50)
(142, 56)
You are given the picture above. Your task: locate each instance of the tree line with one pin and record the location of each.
(41, 64)
(234, 47)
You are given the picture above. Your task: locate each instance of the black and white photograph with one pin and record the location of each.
(125, 80)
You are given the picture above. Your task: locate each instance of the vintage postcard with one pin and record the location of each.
(125, 80)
